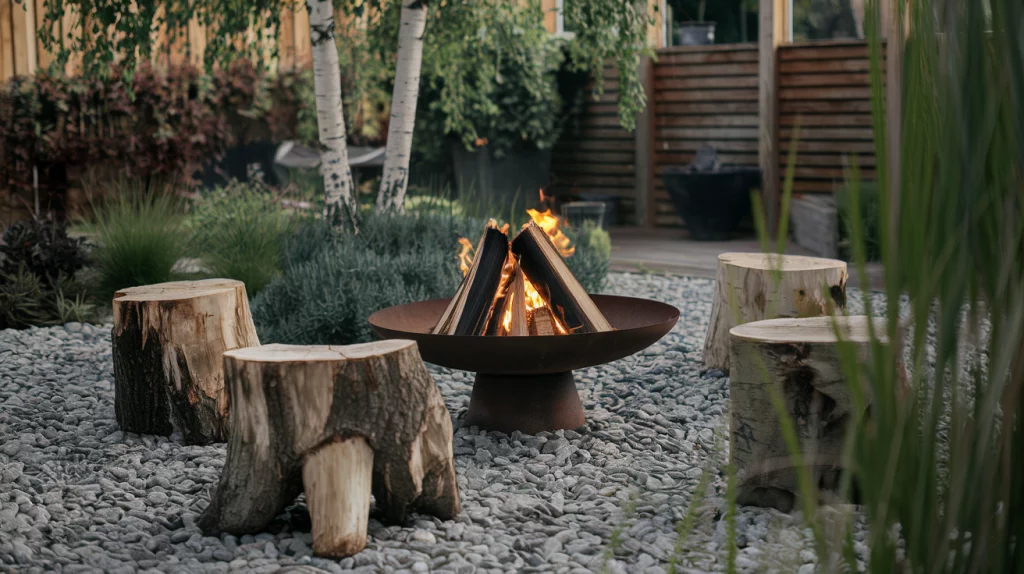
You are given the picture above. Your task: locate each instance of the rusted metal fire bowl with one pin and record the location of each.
(526, 383)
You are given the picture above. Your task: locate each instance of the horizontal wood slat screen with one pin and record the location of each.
(824, 87)
(595, 154)
(702, 95)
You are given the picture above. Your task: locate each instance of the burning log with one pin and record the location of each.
(473, 304)
(555, 283)
(509, 318)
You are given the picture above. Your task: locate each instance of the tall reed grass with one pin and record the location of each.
(938, 461)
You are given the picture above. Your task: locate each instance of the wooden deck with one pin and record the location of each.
(672, 251)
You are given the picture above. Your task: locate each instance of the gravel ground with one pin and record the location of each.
(79, 495)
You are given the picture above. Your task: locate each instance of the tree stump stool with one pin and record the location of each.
(337, 422)
(758, 286)
(168, 340)
(799, 357)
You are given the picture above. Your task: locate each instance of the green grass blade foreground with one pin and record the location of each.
(937, 462)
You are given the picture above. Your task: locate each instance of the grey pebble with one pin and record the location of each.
(77, 494)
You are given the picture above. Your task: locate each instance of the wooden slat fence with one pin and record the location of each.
(709, 95)
(597, 155)
(702, 95)
(824, 87)
(22, 51)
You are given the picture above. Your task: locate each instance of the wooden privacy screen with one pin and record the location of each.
(595, 154)
(22, 52)
(824, 86)
(702, 95)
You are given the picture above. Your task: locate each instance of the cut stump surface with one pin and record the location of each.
(168, 340)
(333, 420)
(749, 288)
(800, 358)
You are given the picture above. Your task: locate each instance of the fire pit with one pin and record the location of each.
(526, 383)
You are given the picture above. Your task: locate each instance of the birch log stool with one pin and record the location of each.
(799, 357)
(336, 421)
(167, 344)
(748, 289)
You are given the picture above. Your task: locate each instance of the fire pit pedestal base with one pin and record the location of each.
(526, 403)
(525, 384)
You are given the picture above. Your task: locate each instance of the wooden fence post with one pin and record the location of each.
(774, 30)
(897, 34)
(644, 149)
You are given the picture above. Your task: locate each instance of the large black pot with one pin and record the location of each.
(520, 173)
(712, 203)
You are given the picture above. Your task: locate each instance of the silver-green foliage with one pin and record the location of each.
(333, 281)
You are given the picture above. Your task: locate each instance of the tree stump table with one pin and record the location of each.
(799, 357)
(337, 421)
(758, 286)
(168, 340)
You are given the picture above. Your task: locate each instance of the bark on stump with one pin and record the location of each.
(167, 344)
(749, 288)
(333, 421)
(799, 357)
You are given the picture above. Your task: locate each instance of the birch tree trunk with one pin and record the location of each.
(340, 207)
(395, 180)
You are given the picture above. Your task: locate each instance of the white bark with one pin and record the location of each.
(395, 179)
(340, 207)
(748, 289)
(800, 359)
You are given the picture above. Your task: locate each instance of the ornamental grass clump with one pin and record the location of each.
(938, 461)
(140, 234)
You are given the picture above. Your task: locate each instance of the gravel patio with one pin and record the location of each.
(79, 495)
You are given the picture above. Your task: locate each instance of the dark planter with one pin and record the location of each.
(611, 206)
(712, 203)
(695, 34)
(519, 173)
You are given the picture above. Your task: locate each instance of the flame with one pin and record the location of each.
(551, 225)
(465, 255)
(506, 321)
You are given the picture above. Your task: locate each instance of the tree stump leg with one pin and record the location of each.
(749, 289)
(337, 477)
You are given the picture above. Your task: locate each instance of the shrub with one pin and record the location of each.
(38, 264)
(333, 281)
(592, 258)
(43, 248)
(140, 239)
(239, 232)
(163, 124)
